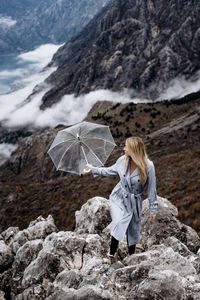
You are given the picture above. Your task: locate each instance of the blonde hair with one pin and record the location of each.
(137, 152)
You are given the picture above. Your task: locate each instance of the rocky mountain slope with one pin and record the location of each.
(40, 262)
(30, 185)
(139, 45)
(17, 8)
(40, 22)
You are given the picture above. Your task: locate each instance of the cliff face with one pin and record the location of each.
(40, 22)
(30, 185)
(140, 45)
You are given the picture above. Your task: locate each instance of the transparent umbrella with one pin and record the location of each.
(76, 146)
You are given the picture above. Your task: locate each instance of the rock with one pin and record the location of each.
(93, 216)
(37, 229)
(160, 285)
(60, 251)
(190, 237)
(166, 225)
(26, 253)
(2, 295)
(9, 234)
(68, 279)
(36, 292)
(84, 293)
(6, 256)
(74, 265)
(177, 246)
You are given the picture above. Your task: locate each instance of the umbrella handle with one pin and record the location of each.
(84, 155)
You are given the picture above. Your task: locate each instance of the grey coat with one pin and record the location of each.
(126, 199)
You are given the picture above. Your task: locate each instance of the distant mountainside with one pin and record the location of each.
(140, 45)
(17, 8)
(44, 21)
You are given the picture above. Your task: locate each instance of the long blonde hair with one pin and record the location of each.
(137, 152)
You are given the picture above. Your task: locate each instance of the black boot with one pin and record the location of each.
(131, 249)
(113, 246)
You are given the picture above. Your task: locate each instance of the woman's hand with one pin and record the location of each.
(88, 168)
(152, 217)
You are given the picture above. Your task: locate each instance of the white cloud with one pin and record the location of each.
(6, 151)
(12, 73)
(73, 109)
(69, 110)
(180, 87)
(7, 21)
(40, 56)
(14, 103)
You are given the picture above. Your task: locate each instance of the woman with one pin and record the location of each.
(136, 172)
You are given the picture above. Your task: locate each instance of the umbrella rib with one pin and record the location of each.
(65, 152)
(92, 152)
(60, 144)
(97, 138)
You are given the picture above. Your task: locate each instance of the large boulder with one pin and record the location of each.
(94, 216)
(166, 225)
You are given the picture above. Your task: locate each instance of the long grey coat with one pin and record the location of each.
(126, 199)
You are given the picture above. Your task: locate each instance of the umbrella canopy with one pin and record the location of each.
(76, 146)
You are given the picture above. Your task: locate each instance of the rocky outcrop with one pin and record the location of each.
(74, 265)
(139, 45)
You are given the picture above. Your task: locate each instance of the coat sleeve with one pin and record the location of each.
(109, 171)
(151, 189)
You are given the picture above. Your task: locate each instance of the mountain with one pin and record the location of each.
(140, 45)
(30, 185)
(46, 21)
(17, 8)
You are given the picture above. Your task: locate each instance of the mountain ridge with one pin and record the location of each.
(131, 45)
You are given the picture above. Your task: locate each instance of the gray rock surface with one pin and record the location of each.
(93, 216)
(37, 229)
(6, 255)
(74, 265)
(167, 225)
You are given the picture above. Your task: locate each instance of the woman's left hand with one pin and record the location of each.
(152, 217)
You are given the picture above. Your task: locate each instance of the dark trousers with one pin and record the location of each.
(114, 245)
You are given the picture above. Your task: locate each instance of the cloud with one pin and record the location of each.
(7, 21)
(12, 73)
(180, 87)
(41, 55)
(6, 151)
(69, 110)
(11, 103)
